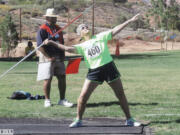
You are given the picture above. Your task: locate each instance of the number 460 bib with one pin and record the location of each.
(93, 51)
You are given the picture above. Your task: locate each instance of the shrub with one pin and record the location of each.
(8, 34)
(21, 2)
(36, 13)
(121, 19)
(128, 5)
(140, 23)
(119, 1)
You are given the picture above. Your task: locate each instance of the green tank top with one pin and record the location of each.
(95, 50)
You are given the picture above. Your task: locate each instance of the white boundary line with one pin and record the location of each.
(168, 114)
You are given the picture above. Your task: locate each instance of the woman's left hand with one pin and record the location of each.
(134, 18)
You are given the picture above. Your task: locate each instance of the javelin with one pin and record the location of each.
(43, 44)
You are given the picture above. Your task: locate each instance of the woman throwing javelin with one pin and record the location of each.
(101, 68)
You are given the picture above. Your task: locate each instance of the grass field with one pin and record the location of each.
(151, 83)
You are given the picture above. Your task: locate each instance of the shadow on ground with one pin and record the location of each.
(116, 103)
(139, 56)
(165, 122)
(23, 73)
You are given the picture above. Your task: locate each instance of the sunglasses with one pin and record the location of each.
(84, 27)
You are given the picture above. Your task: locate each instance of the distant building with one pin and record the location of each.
(4, 2)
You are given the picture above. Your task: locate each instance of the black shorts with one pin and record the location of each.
(106, 73)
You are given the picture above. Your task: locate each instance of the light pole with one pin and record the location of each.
(53, 3)
(20, 26)
(93, 19)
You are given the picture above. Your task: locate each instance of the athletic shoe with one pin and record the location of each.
(47, 103)
(76, 123)
(131, 122)
(65, 103)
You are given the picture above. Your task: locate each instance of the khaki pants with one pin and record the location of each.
(47, 69)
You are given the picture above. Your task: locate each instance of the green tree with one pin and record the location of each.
(173, 16)
(165, 15)
(8, 34)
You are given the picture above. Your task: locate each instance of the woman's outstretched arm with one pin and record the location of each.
(118, 28)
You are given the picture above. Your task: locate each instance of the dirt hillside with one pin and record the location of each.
(126, 46)
(106, 16)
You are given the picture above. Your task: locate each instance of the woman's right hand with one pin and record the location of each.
(46, 41)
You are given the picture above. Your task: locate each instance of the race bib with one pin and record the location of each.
(93, 51)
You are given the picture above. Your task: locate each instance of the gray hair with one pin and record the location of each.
(79, 28)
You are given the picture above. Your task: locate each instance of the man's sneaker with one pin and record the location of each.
(65, 103)
(76, 123)
(47, 103)
(131, 122)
